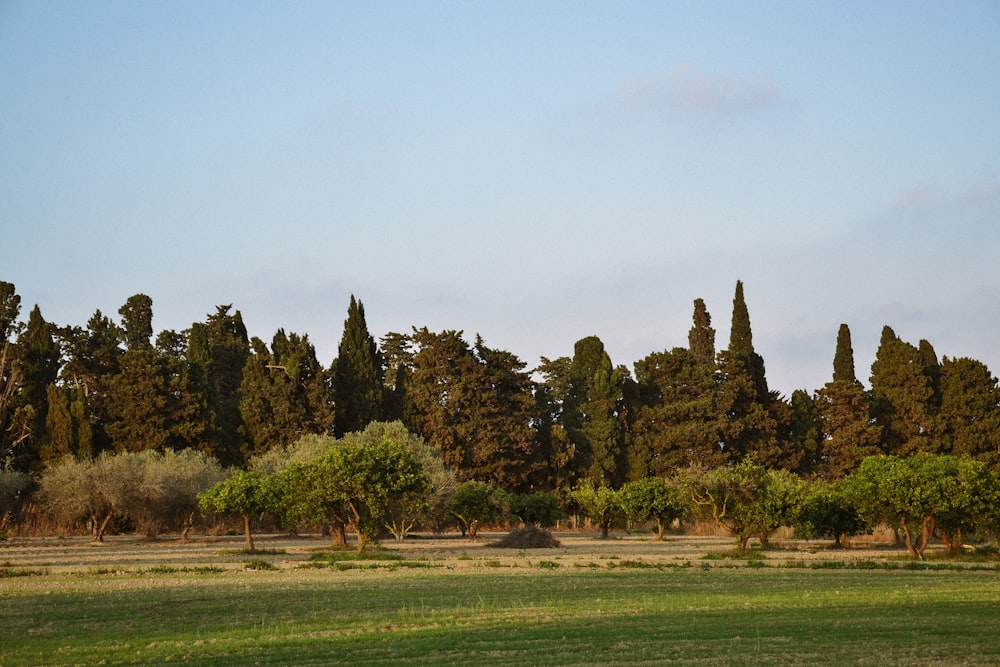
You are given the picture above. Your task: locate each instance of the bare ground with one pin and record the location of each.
(577, 548)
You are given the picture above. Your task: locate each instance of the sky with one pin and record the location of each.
(534, 172)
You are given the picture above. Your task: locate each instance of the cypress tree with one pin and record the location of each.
(843, 359)
(358, 375)
(137, 322)
(701, 337)
(741, 344)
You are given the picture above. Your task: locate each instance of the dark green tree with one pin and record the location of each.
(849, 433)
(69, 432)
(39, 359)
(903, 396)
(676, 424)
(701, 337)
(358, 375)
(284, 394)
(594, 414)
(968, 423)
(554, 453)
(217, 352)
(10, 372)
(137, 322)
(806, 431)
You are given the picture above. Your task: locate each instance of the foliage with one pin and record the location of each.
(746, 499)
(538, 509)
(247, 494)
(473, 504)
(600, 503)
(928, 492)
(653, 498)
(828, 510)
(358, 375)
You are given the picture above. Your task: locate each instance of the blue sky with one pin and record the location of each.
(534, 172)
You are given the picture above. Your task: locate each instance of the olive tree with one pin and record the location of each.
(828, 509)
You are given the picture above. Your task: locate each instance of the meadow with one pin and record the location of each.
(446, 601)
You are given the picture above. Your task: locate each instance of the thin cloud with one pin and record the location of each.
(689, 89)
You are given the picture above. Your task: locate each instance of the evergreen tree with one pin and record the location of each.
(701, 337)
(217, 353)
(969, 418)
(903, 396)
(554, 452)
(10, 371)
(741, 344)
(39, 358)
(843, 359)
(806, 431)
(358, 375)
(137, 322)
(676, 424)
(594, 414)
(845, 410)
(67, 425)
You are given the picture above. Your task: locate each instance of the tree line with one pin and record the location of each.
(111, 386)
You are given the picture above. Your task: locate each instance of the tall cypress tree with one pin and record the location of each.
(701, 337)
(39, 362)
(137, 322)
(741, 344)
(358, 375)
(843, 359)
(845, 413)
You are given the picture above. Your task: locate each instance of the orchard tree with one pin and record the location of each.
(828, 509)
(474, 504)
(247, 494)
(653, 498)
(746, 499)
(925, 493)
(599, 503)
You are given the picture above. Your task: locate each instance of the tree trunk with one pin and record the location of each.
(339, 534)
(742, 540)
(661, 530)
(186, 530)
(473, 529)
(246, 530)
(99, 533)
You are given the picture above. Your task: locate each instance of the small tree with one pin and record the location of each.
(653, 498)
(538, 509)
(473, 504)
(247, 494)
(828, 510)
(746, 499)
(600, 503)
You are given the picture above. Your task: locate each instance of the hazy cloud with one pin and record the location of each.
(690, 89)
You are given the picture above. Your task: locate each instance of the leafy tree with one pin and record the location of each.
(927, 492)
(539, 509)
(358, 479)
(358, 375)
(701, 337)
(67, 424)
(173, 482)
(746, 499)
(828, 509)
(247, 494)
(474, 405)
(653, 498)
(554, 453)
(38, 358)
(600, 503)
(473, 504)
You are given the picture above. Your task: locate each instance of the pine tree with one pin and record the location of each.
(358, 375)
(701, 337)
(969, 419)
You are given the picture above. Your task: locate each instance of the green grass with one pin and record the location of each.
(515, 616)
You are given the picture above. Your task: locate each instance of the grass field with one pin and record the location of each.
(446, 602)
